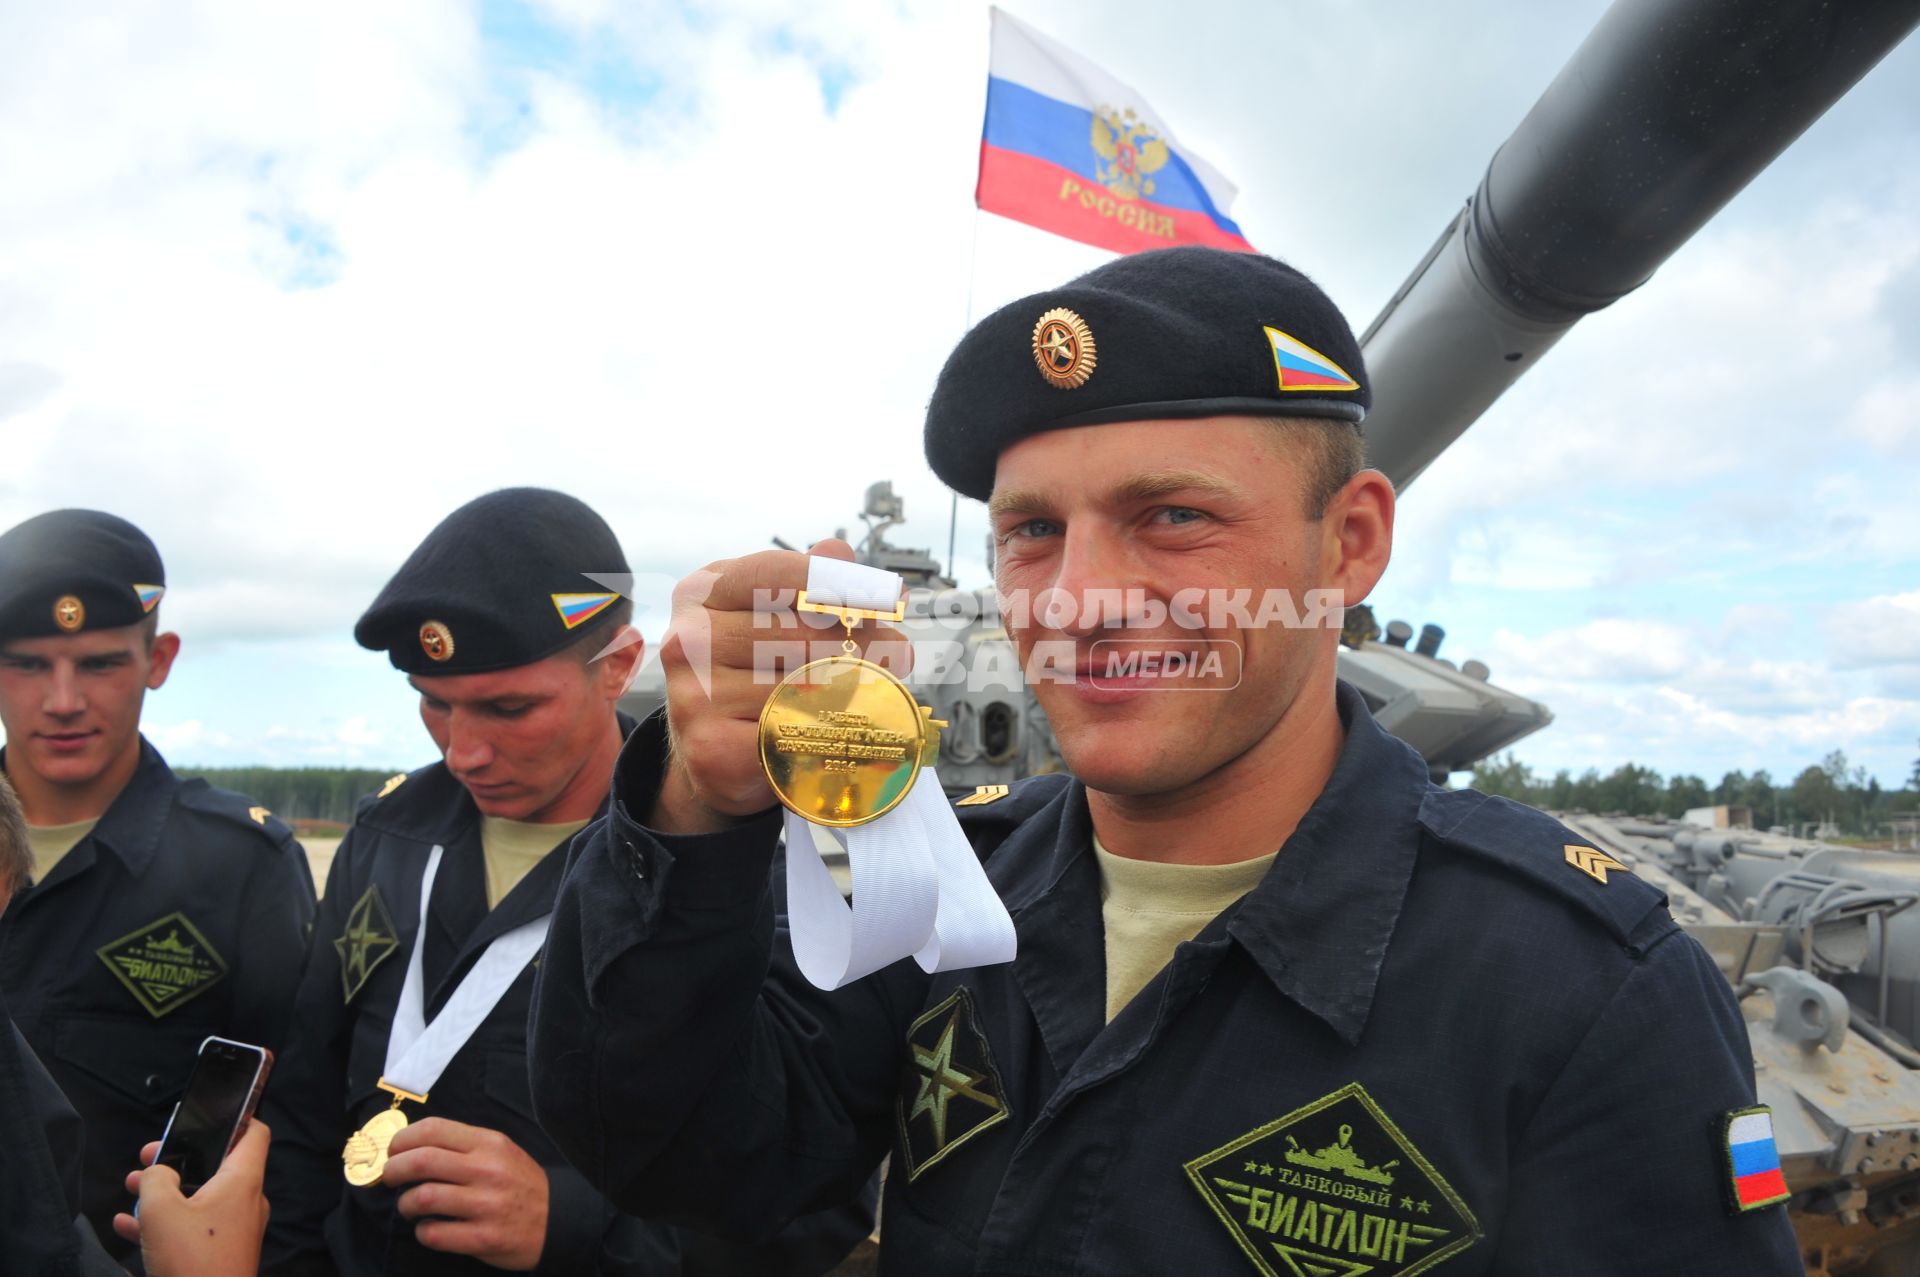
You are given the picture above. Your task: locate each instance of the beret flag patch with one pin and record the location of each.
(149, 596)
(577, 609)
(1751, 1160)
(1301, 367)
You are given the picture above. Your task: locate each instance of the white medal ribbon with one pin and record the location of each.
(918, 888)
(418, 1052)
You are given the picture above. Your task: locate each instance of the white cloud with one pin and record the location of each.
(287, 283)
(1880, 631)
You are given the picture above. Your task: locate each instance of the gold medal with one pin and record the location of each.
(842, 740)
(365, 1157)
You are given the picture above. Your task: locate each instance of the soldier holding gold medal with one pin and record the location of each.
(1266, 1000)
(160, 910)
(405, 1140)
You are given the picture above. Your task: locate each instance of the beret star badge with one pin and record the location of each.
(436, 640)
(1063, 349)
(69, 613)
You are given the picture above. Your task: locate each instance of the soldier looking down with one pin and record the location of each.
(405, 1134)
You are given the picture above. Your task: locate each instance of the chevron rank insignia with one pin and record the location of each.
(1593, 862)
(393, 782)
(1334, 1189)
(950, 1090)
(982, 795)
(259, 814)
(165, 964)
(368, 941)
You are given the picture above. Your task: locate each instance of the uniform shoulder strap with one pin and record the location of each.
(1546, 853)
(236, 809)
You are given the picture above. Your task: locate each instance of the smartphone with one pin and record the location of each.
(212, 1115)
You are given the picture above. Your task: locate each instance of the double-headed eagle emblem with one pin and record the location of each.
(1129, 151)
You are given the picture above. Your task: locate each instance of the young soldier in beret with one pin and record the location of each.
(1281, 1005)
(161, 910)
(519, 660)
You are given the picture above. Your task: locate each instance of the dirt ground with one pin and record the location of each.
(320, 858)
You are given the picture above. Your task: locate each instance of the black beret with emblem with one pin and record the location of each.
(503, 581)
(1177, 332)
(71, 570)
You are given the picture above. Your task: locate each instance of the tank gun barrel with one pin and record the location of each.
(1665, 112)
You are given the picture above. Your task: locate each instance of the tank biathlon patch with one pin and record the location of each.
(1751, 1161)
(368, 941)
(165, 964)
(1334, 1190)
(954, 1087)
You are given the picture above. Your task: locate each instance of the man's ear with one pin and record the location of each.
(160, 657)
(1358, 530)
(619, 662)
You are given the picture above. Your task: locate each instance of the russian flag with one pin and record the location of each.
(1071, 150)
(1753, 1161)
(577, 609)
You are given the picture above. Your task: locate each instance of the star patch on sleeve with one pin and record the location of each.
(368, 941)
(1334, 1189)
(950, 1090)
(165, 964)
(1751, 1161)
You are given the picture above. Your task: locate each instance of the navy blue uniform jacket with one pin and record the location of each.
(1424, 1042)
(183, 914)
(41, 1229)
(326, 1083)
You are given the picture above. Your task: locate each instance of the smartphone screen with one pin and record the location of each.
(220, 1094)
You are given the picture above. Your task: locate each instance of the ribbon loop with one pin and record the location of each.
(918, 888)
(419, 1052)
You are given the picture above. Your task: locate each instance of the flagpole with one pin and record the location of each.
(953, 508)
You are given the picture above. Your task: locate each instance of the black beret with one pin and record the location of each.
(501, 582)
(72, 570)
(1177, 332)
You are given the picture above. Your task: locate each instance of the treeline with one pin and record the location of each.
(1830, 792)
(299, 793)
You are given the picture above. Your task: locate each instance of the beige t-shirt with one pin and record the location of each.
(51, 843)
(1150, 908)
(513, 847)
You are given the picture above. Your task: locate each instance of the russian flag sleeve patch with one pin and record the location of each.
(1750, 1160)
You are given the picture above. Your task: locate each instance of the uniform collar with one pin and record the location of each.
(1319, 924)
(132, 823)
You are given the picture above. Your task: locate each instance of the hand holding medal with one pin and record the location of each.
(843, 745)
(418, 1051)
(849, 750)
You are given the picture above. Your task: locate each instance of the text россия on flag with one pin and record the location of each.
(1071, 150)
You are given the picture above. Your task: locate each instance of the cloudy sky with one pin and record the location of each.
(284, 284)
